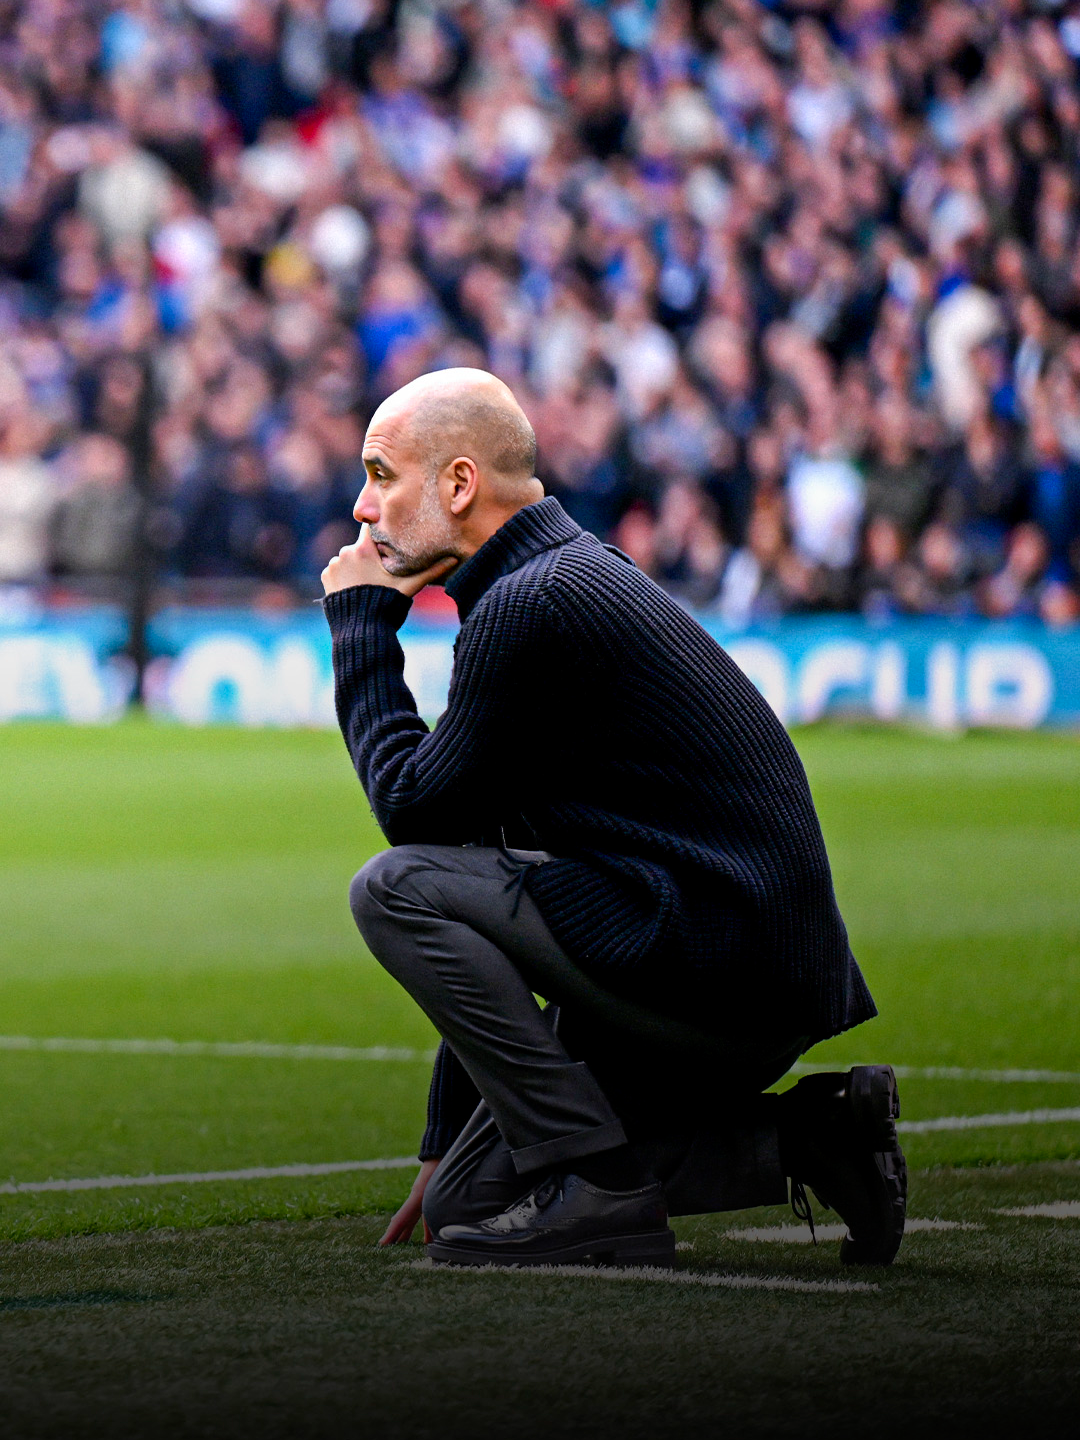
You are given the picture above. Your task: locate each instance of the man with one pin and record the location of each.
(607, 815)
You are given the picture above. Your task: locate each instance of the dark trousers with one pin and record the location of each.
(456, 928)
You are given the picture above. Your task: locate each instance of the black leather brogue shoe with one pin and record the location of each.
(566, 1221)
(838, 1136)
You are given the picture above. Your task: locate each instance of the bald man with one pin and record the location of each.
(609, 816)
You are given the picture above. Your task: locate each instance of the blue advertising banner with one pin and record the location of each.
(267, 669)
(62, 664)
(250, 668)
(942, 673)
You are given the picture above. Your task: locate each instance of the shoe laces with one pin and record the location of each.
(800, 1205)
(545, 1192)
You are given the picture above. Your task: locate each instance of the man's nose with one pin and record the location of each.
(366, 509)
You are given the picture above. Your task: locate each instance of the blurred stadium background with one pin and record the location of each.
(789, 291)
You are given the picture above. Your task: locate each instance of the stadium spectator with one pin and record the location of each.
(765, 578)
(234, 523)
(882, 579)
(94, 524)
(1017, 587)
(983, 493)
(27, 499)
(827, 255)
(900, 481)
(938, 581)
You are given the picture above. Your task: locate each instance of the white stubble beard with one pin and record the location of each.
(425, 537)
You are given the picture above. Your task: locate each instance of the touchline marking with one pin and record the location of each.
(272, 1050)
(957, 1072)
(1055, 1210)
(800, 1234)
(199, 1177)
(653, 1276)
(981, 1122)
(218, 1049)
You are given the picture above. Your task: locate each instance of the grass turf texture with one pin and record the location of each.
(191, 884)
(306, 1330)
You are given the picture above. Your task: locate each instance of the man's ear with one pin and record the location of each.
(464, 479)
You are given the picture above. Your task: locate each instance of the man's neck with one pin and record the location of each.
(479, 528)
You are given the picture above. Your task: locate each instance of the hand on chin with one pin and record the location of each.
(361, 564)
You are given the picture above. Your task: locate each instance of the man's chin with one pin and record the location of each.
(394, 563)
(400, 568)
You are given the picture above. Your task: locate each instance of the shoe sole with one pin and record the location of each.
(875, 1107)
(655, 1251)
(875, 1104)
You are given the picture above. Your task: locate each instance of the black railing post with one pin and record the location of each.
(142, 559)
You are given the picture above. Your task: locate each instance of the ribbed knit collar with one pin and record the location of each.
(528, 532)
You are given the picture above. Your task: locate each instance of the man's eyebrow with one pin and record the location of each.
(376, 459)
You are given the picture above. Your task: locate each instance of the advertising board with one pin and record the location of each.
(247, 668)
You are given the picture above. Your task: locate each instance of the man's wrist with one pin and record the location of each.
(358, 602)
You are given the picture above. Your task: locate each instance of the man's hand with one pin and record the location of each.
(403, 1224)
(359, 564)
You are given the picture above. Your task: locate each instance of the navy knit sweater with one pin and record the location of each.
(591, 717)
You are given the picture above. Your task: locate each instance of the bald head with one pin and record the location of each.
(464, 412)
(449, 457)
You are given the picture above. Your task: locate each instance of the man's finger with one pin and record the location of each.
(398, 1231)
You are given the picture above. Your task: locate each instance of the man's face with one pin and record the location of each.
(401, 502)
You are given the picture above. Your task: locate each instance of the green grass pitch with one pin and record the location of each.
(157, 883)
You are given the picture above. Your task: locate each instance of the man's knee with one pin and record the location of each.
(384, 875)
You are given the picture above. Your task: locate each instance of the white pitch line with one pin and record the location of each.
(1055, 1210)
(997, 1077)
(654, 1276)
(800, 1234)
(957, 1072)
(272, 1050)
(199, 1177)
(982, 1122)
(217, 1049)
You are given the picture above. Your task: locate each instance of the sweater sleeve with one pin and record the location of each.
(452, 1098)
(439, 787)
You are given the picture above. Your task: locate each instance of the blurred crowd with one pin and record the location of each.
(790, 291)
